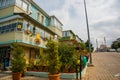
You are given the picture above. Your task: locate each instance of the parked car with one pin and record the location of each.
(118, 50)
(112, 50)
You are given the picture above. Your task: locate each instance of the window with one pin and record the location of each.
(3, 28)
(7, 2)
(0, 29)
(0, 3)
(19, 2)
(68, 33)
(25, 6)
(64, 34)
(34, 30)
(14, 25)
(38, 16)
(42, 19)
(8, 28)
(3, 2)
(25, 26)
(41, 33)
(31, 28)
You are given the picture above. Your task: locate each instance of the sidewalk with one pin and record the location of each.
(9, 77)
(106, 67)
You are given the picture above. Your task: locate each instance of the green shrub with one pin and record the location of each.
(18, 61)
(53, 57)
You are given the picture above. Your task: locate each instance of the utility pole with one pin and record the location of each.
(97, 45)
(105, 44)
(88, 32)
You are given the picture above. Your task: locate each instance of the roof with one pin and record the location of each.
(57, 19)
(69, 31)
(78, 37)
(39, 8)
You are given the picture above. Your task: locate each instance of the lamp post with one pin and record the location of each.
(88, 32)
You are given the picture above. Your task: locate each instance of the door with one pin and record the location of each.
(5, 56)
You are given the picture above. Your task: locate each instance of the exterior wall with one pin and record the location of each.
(6, 11)
(55, 22)
(18, 10)
(68, 34)
(6, 38)
(72, 36)
(35, 13)
(24, 5)
(56, 30)
(78, 39)
(20, 37)
(55, 26)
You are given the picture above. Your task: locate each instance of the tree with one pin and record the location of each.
(66, 52)
(87, 46)
(54, 63)
(115, 45)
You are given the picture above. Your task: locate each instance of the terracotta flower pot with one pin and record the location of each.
(28, 32)
(16, 76)
(54, 76)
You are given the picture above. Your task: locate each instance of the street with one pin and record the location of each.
(106, 67)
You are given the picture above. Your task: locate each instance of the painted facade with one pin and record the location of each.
(69, 37)
(23, 21)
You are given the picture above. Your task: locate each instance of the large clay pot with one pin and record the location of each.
(16, 76)
(54, 76)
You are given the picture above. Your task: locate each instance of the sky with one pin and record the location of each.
(103, 17)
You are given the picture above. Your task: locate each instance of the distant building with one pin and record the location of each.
(103, 48)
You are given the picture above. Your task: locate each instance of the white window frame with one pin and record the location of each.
(25, 6)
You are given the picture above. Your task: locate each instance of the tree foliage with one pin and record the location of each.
(18, 61)
(116, 44)
(87, 46)
(53, 57)
(66, 52)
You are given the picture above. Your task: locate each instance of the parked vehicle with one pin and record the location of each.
(112, 50)
(118, 50)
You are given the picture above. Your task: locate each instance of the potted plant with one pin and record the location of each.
(53, 60)
(18, 62)
(28, 32)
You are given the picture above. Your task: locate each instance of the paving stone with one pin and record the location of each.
(106, 66)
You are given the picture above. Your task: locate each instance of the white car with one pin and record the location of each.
(112, 50)
(118, 49)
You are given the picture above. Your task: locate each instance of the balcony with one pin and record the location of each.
(21, 37)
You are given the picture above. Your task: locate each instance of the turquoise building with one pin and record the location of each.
(23, 21)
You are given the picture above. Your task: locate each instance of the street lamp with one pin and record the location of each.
(88, 32)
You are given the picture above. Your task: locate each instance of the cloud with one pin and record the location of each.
(108, 28)
(49, 5)
(103, 16)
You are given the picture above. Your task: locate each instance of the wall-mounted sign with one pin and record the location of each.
(19, 26)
